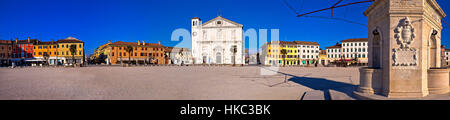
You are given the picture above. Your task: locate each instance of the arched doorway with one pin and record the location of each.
(218, 58)
(376, 49)
(433, 51)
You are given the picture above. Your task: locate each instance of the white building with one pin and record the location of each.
(308, 51)
(446, 57)
(334, 52)
(213, 41)
(355, 49)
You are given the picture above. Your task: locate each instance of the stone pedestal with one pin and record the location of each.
(438, 81)
(404, 42)
(365, 84)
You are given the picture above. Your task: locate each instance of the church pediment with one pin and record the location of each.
(221, 22)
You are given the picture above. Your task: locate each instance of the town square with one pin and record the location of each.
(397, 50)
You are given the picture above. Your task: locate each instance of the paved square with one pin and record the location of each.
(171, 82)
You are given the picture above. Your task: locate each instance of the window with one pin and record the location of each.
(112, 54)
(40, 53)
(219, 22)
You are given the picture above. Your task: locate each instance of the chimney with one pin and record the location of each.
(143, 42)
(109, 41)
(28, 39)
(139, 42)
(159, 42)
(17, 39)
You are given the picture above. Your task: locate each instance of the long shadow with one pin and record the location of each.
(320, 84)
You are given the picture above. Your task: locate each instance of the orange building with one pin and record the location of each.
(143, 53)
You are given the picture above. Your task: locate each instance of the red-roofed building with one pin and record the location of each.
(143, 53)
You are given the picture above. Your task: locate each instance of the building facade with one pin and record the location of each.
(179, 55)
(102, 53)
(218, 41)
(290, 53)
(5, 52)
(447, 57)
(355, 50)
(334, 53)
(323, 59)
(65, 55)
(308, 52)
(143, 53)
(22, 52)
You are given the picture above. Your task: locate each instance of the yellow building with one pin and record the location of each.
(295, 53)
(281, 53)
(102, 52)
(45, 52)
(323, 59)
(59, 51)
(64, 54)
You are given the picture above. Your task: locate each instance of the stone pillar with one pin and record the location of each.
(408, 34)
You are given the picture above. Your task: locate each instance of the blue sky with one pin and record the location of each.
(97, 21)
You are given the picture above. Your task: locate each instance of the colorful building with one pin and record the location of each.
(143, 53)
(290, 53)
(46, 52)
(102, 53)
(323, 59)
(22, 51)
(64, 54)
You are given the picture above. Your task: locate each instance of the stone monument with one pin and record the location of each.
(404, 49)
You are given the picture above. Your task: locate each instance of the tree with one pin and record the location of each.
(234, 51)
(283, 53)
(129, 50)
(73, 50)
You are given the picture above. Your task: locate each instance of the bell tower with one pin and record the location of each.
(196, 26)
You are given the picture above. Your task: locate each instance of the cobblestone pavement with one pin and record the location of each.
(172, 82)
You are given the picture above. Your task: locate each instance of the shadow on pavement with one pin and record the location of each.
(320, 84)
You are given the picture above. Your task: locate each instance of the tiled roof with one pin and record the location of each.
(70, 40)
(136, 44)
(306, 43)
(33, 41)
(334, 46)
(169, 49)
(356, 40)
(45, 43)
(295, 43)
(5, 42)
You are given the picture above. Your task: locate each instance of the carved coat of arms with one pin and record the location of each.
(404, 33)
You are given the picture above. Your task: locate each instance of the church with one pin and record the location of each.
(218, 41)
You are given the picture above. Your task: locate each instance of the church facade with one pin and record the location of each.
(218, 41)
